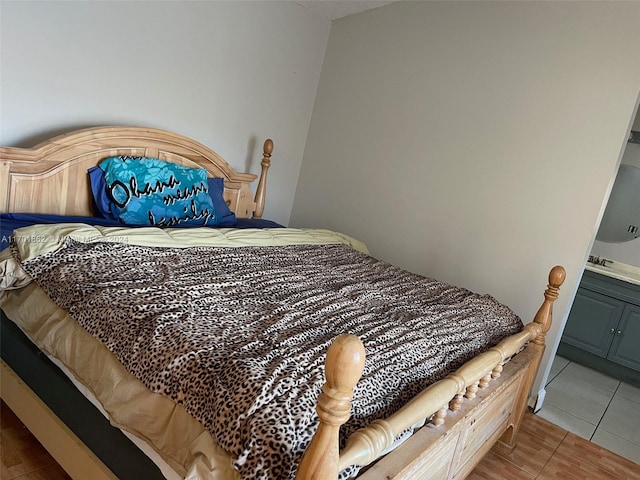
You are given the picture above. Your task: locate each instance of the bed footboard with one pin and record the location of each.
(481, 403)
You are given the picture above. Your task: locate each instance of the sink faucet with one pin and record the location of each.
(598, 260)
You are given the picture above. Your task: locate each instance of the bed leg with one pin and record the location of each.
(508, 441)
(343, 368)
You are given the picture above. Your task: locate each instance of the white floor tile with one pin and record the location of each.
(622, 418)
(567, 421)
(618, 445)
(578, 395)
(629, 391)
(578, 398)
(586, 376)
(556, 367)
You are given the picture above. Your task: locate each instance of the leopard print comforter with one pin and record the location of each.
(238, 335)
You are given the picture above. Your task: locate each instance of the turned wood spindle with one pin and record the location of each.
(456, 402)
(471, 391)
(439, 416)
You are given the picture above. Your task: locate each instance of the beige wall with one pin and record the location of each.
(228, 74)
(475, 142)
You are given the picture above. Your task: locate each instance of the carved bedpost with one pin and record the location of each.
(544, 315)
(261, 191)
(343, 368)
(542, 322)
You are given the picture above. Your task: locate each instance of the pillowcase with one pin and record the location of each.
(226, 217)
(149, 191)
(99, 192)
(101, 202)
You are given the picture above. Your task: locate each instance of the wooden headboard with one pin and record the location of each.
(52, 176)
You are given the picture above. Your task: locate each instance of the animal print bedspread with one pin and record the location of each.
(238, 335)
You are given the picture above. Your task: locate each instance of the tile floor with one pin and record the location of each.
(594, 406)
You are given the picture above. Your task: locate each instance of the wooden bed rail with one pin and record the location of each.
(345, 362)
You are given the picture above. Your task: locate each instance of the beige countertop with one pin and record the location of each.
(621, 271)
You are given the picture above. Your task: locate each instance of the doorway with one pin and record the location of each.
(600, 407)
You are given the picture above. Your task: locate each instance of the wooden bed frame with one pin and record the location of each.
(466, 413)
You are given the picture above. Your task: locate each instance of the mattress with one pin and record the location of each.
(199, 452)
(168, 430)
(125, 458)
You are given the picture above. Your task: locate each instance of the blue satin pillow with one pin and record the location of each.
(149, 191)
(225, 217)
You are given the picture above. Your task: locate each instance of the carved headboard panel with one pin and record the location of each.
(52, 177)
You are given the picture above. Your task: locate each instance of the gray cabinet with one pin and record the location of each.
(593, 322)
(603, 328)
(625, 349)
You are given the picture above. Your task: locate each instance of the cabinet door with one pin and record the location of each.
(625, 349)
(592, 322)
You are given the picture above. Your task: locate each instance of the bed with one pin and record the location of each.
(436, 427)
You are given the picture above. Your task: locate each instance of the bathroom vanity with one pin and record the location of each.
(603, 328)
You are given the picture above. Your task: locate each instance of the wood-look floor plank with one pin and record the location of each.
(52, 472)
(579, 459)
(547, 452)
(8, 419)
(536, 426)
(495, 467)
(537, 442)
(21, 455)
